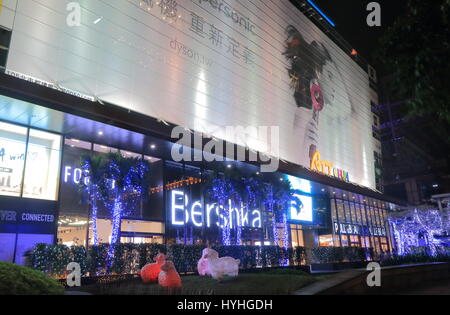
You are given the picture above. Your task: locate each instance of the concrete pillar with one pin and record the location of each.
(311, 238)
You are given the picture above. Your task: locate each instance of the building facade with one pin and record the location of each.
(89, 78)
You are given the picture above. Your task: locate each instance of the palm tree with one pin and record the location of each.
(125, 185)
(120, 183)
(92, 181)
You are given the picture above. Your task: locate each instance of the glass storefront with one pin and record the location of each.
(142, 223)
(360, 222)
(36, 164)
(29, 162)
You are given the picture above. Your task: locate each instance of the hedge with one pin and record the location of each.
(418, 255)
(18, 280)
(338, 254)
(130, 258)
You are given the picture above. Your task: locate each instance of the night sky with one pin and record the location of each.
(350, 17)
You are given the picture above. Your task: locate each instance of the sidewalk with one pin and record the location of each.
(431, 289)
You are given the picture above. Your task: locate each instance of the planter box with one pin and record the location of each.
(337, 266)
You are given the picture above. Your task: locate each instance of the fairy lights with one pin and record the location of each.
(418, 229)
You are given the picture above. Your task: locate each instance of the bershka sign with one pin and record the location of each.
(229, 12)
(183, 212)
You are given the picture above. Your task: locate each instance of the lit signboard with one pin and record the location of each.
(327, 168)
(186, 212)
(205, 65)
(353, 229)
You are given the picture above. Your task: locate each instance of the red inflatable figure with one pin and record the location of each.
(169, 277)
(151, 272)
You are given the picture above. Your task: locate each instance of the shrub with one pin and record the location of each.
(18, 280)
(148, 252)
(300, 256)
(51, 259)
(287, 271)
(129, 258)
(97, 259)
(185, 257)
(324, 255)
(79, 255)
(415, 258)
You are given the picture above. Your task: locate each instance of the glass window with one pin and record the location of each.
(104, 149)
(135, 226)
(75, 143)
(343, 217)
(72, 230)
(12, 158)
(130, 155)
(326, 240)
(362, 210)
(42, 165)
(358, 213)
(333, 211)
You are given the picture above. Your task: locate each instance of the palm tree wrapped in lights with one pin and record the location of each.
(127, 180)
(92, 181)
(278, 199)
(120, 183)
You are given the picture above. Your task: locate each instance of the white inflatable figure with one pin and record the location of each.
(202, 265)
(221, 267)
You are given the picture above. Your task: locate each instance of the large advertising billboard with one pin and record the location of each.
(205, 65)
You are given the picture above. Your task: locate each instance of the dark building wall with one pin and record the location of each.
(415, 151)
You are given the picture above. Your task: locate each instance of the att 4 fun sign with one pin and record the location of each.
(327, 168)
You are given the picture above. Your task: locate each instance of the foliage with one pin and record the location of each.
(338, 254)
(18, 280)
(79, 255)
(185, 257)
(130, 258)
(417, 255)
(148, 252)
(51, 259)
(299, 255)
(417, 47)
(97, 259)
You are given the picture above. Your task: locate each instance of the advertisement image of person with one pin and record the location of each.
(314, 78)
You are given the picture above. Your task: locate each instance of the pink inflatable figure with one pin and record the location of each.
(151, 272)
(202, 266)
(169, 277)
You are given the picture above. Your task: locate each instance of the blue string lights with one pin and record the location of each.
(91, 187)
(418, 229)
(119, 183)
(252, 193)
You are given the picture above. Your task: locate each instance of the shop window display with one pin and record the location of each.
(42, 165)
(37, 152)
(75, 215)
(12, 158)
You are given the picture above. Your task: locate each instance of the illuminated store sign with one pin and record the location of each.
(25, 217)
(327, 168)
(74, 175)
(353, 229)
(184, 212)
